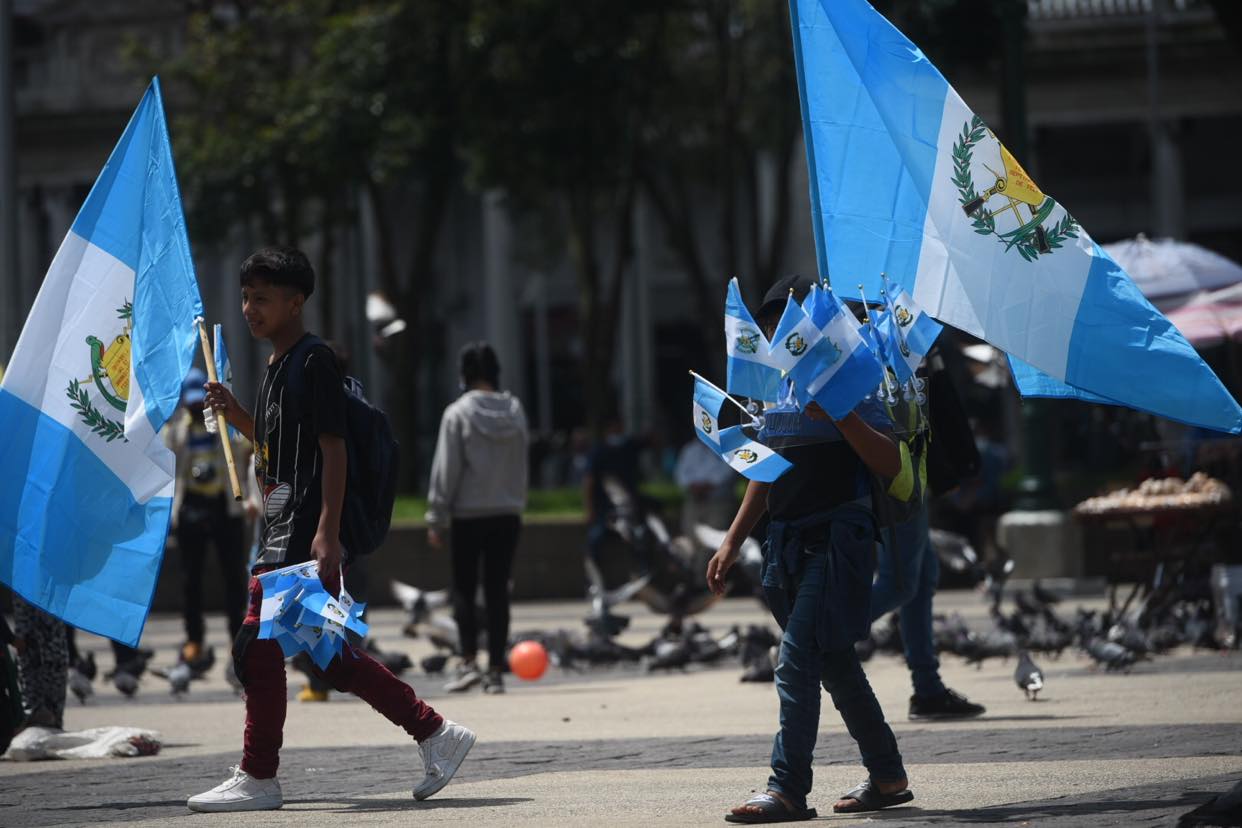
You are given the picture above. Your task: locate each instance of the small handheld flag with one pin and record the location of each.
(224, 372)
(301, 616)
(222, 424)
(915, 331)
(751, 459)
(750, 373)
(839, 384)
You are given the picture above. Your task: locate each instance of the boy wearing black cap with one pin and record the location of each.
(818, 565)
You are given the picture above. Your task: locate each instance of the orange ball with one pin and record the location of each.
(528, 660)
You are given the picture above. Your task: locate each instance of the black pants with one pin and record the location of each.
(202, 520)
(492, 540)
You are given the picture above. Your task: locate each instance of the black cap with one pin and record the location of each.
(778, 295)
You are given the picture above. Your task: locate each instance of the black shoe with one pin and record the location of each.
(948, 705)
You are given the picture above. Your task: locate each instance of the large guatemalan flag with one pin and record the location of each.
(87, 484)
(905, 179)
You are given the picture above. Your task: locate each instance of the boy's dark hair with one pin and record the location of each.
(478, 362)
(279, 265)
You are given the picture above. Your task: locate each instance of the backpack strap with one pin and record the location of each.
(295, 373)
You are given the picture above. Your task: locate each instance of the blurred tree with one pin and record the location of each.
(556, 123)
(294, 108)
(728, 110)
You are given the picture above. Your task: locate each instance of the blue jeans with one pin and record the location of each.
(814, 650)
(920, 570)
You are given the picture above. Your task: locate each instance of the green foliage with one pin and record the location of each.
(1066, 228)
(80, 401)
(953, 33)
(963, 153)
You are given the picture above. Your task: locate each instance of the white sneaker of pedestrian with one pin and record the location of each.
(240, 792)
(443, 753)
(468, 675)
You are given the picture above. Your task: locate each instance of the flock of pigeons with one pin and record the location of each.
(1114, 639)
(127, 676)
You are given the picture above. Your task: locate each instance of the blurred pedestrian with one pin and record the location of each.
(42, 664)
(908, 569)
(610, 490)
(477, 494)
(204, 512)
(706, 483)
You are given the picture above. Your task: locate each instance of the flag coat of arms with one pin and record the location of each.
(747, 457)
(87, 489)
(906, 179)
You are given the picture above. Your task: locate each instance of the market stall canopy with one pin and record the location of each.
(1169, 272)
(1211, 317)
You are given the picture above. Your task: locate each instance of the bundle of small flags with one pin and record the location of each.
(301, 616)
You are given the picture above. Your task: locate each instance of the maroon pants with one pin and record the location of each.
(261, 666)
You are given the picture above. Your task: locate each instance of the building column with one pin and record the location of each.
(501, 310)
(635, 331)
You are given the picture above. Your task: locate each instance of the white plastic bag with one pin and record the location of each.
(36, 743)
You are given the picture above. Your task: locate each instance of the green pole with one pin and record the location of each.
(1036, 489)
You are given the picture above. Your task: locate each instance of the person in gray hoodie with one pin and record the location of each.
(477, 493)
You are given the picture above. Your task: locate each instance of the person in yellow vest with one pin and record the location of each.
(907, 573)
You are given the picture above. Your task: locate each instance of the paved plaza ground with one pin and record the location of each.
(616, 746)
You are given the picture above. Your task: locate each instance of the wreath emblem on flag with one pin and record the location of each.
(748, 341)
(110, 376)
(707, 423)
(747, 456)
(1013, 197)
(795, 344)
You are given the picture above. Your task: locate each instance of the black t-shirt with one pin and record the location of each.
(824, 475)
(287, 461)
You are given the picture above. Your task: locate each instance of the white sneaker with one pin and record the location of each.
(468, 676)
(443, 753)
(240, 792)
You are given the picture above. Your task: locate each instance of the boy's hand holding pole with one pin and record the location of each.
(221, 420)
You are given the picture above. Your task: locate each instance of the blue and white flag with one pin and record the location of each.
(1031, 382)
(838, 383)
(301, 616)
(224, 373)
(906, 179)
(750, 458)
(87, 487)
(911, 330)
(749, 372)
(708, 400)
(795, 337)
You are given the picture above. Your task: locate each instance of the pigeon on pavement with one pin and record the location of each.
(1029, 678)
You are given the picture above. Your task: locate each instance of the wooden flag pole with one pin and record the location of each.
(222, 423)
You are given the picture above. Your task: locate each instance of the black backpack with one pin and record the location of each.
(371, 479)
(952, 456)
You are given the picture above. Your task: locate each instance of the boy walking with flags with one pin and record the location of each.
(298, 430)
(817, 569)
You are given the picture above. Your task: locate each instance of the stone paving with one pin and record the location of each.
(616, 746)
